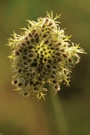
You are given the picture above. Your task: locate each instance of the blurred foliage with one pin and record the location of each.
(19, 115)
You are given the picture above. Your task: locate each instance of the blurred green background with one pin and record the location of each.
(26, 116)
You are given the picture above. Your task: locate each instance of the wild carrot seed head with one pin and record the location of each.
(42, 55)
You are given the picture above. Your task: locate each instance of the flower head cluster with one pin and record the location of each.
(42, 55)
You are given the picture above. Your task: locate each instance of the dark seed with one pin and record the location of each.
(41, 62)
(33, 31)
(30, 35)
(39, 78)
(31, 82)
(38, 48)
(64, 55)
(34, 84)
(25, 63)
(17, 53)
(52, 48)
(59, 59)
(44, 35)
(37, 39)
(35, 88)
(49, 51)
(53, 72)
(19, 71)
(52, 76)
(30, 47)
(33, 73)
(59, 44)
(26, 82)
(32, 40)
(27, 42)
(28, 73)
(62, 50)
(41, 55)
(49, 61)
(29, 60)
(54, 81)
(45, 59)
(57, 48)
(30, 55)
(54, 66)
(37, 56)
(26, 38)
(25, 50)
(39, 69)
(34, 64)
(15, 82)
(25, 94)
(23, 44)
(41, 52)
(36, 35)
(20, 50)
(35, 59)
(58, 53)
(50, 44)
(56, 87)
(37, 83)
(20, 84)
(70, 60)
(44, 73)
(43, 26)
(44, 49)
(48, 66)
(46, 19)
(55, 60)
(25, 69)
(24, 57)
(46, 42)
(50, 24)
(41, 58)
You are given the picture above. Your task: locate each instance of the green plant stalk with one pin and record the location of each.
(59, 115)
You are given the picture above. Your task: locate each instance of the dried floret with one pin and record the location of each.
(42, 55)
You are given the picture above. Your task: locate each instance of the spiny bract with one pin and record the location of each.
(42, 55)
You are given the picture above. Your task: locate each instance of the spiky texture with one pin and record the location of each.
(42, 55)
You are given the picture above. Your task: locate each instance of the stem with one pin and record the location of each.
(58, 111)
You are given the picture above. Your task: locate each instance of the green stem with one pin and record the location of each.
(59, 115)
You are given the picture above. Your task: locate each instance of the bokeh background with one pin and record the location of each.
(26, 116)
